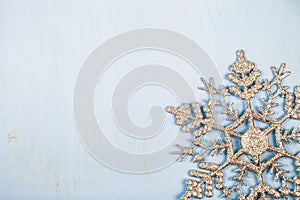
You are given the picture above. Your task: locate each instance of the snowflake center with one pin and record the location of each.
(255, 142)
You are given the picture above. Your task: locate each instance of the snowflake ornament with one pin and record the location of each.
(254, 141)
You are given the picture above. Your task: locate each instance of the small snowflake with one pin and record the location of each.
(199, 121)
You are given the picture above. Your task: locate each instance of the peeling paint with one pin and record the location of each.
(57, 185)
(12, 137)
(75, 186)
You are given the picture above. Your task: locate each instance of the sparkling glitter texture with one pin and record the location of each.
(199, 120)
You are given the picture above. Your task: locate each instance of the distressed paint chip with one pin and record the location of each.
(57, 185)
(12, 137)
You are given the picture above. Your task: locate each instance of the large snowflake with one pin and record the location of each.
(254, 140)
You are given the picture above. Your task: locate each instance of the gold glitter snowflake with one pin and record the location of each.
(255, 141)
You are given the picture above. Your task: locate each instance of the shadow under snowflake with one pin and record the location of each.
(199, 120)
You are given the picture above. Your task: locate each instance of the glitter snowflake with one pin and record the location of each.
(254, 140)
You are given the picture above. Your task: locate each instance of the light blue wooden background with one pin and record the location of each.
(44, 43)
